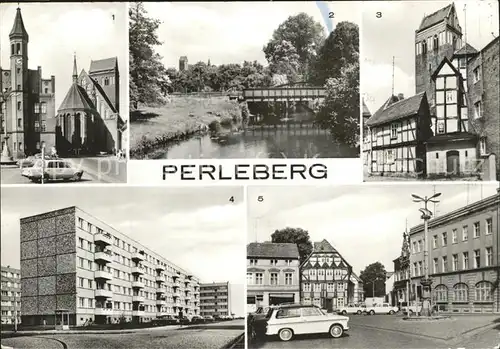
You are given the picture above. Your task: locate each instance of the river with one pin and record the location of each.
(262, 143)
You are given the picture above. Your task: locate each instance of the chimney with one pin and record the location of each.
(401, 96)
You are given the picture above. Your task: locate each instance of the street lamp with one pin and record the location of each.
(373, 285)
(43, 162)
(426, 282)
(6, 154)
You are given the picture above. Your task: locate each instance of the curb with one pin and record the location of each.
(234, 341)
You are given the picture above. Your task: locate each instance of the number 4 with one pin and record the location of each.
(231, 199)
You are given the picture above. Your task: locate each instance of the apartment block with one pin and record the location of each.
(272, 274)
(11, 295)
(463, 259)
(74, 262)
(215, 299)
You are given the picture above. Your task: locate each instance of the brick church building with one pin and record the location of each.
(450, 128)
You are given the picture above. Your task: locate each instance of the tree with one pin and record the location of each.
(373, 277)
(302, 33)
(340, 110)
(147, 74)
(340, 49)
(297, 236)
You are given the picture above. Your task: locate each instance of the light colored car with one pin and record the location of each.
(52, 170)
(209, 318)
(351, 309)
(382, 308)
(290, 320)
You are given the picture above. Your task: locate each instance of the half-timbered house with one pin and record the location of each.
(398, 132)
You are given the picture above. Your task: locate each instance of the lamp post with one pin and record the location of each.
(43, 162)
(426, 281)
(6, 154)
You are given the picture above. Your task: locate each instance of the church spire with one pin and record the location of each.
(18, 30)
(75, 72)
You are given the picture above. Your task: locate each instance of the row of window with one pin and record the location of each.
(318, 287)
(274, 262)
(10, 294)
(258, 279)
(11, 284)
(339, 301)
(10, 303)
(10, 313)
(90, 228)
(8, 274)
(323, 272)
(482, 292)
(40, 108)
(432, 43)
(476, 231)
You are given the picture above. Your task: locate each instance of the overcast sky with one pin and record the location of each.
(231, 32)
(394, 35)
(198, 229)
(365, 223)
(58, 30)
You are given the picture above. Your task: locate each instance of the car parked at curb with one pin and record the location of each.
(52, 170)
(382, 308)
(352, 309)
(165, 320)
(286, 321)
(209, 318)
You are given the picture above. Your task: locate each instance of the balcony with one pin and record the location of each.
(104, 256)
(176, 284)
(161, 301)
(103, 311)
(102, 293)
(175, 277)
(101, 274)
(103, 238)
(159, 278)
(138, 256)
(137, 284)
(138, 299)
(160, 267)
(138, 270)
(137, 312)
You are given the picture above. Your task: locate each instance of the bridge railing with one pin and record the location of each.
(288, 92)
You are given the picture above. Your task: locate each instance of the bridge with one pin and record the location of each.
(284, 93)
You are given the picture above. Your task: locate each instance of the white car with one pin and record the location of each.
(351, 309)
(383, 308)
(52, 169)
(287, 321)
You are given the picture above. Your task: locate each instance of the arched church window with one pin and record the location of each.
(435, 43)
(424, 46)
(18, 48)
(12, 49)
(106, 81)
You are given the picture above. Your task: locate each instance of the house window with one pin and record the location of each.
(477, 74)
(46, 90)
(258, 278)
(389, 156)
(307, 287)
(435, 266)
(424, 47)
(460, 293)
(444, 238)
(437, 155)
(465, 233)
(482, 146)
(44, 107)
(477, 231)
(274, 278)
(394, 131)
(489, 226)
(19, 122)
(106, 81)
(288, 278)
(465, 259)
(249, 279)
(445, 264)
(441, 293)
(483, 291)
(477, 259)
(462, 63)
(317, 287)
(477, 110)
(434, 241)
(18, 105)
(455, 262)
(489, 257)
(454, 236)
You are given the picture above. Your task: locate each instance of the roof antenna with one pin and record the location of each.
(392, 93)
(465, 28)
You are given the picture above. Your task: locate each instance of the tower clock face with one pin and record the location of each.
(19, 61)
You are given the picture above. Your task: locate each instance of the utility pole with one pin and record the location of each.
(392, 93)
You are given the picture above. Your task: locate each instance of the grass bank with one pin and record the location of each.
(152, 129)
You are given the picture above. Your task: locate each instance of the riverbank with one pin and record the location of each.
(152, 129)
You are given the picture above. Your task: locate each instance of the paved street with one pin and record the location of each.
(384, 331)
(96, 169)
(202, 337)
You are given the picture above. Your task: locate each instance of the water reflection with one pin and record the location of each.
(261, 144)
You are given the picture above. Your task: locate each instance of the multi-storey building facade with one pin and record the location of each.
(28, 100)
(327, 280)
(215, 299)
(71, 260)
(463, 259)
(10, 295)
(272, 274)
(366, 134)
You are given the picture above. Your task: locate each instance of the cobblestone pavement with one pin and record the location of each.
(384, 331)
(166, 339)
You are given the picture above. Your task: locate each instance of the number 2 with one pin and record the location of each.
(330, 15)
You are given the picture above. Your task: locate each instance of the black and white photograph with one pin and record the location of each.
(373, 266)
(221, 80)
(92, 269)
(63, 71)
(430, 90)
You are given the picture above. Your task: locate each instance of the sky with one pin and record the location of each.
(394, 35)
(365, 223)
(59, 30)
(231, 32)
(198, 229)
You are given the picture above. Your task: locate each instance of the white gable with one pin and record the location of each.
(446, 69)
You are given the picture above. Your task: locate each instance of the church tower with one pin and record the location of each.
(438, 36)
(20, 123)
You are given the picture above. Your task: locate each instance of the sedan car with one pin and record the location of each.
(52, 170)
(286, 321)
(30, 160)
(165, 320)
(383, 308)
(209, 318)
(196, 319)
(351, 309)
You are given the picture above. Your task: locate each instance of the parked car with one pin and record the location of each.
(382, 308)
(286, 321)
(30, 160)
(209, 318)
(352, 309)
(52, 170)
(185, 320)
(196, 319)
(165, 320)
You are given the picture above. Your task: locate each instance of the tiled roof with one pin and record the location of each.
(435, 17)
(103, 64)
(366, 112)
(270, 250)
(323, 246)
(76, 100)
(466, 49)
(452, 137)
(18, 27)
(395, 109)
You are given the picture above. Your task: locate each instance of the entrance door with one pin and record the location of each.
(329, 305)
(452, 162)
